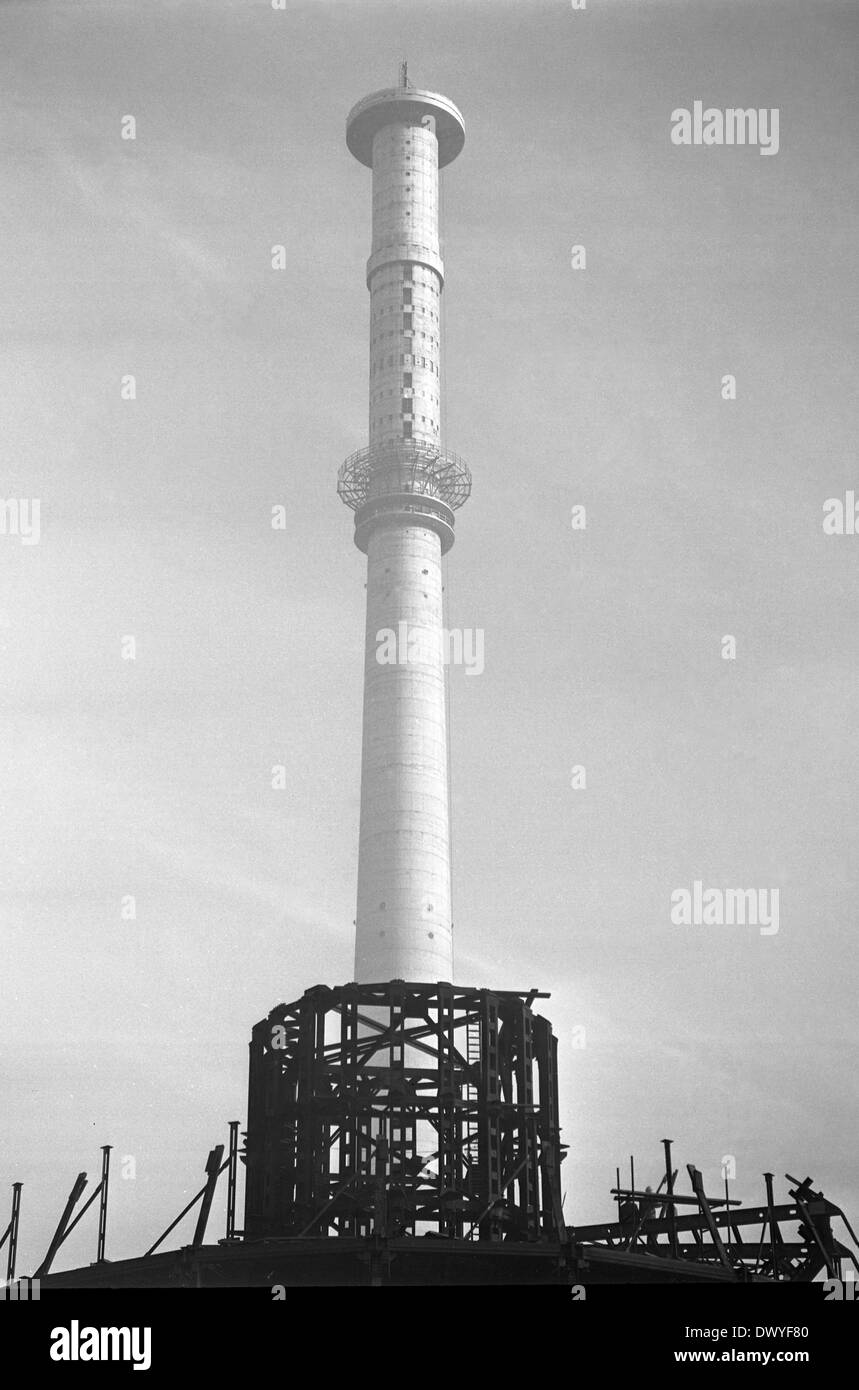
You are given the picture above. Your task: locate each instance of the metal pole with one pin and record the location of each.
(768, 1179)
(13, 1231)
(635, 1210)
(193, 1202)
(698, 1188)
(213, 1168)
(231, 1179)
(380, 1215)
(184, 1212)
(60, 1233)
(669, 1188)
(102, 1206)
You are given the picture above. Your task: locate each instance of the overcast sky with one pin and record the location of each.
(599, 387)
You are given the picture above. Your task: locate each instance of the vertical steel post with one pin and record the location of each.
(102, 1205)
(768, 1179)
(380, 1212)
(13, 1231)
(213, 1168)
(231, 1179)
(669, 1188)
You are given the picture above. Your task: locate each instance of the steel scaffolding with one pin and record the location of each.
(400, 1110)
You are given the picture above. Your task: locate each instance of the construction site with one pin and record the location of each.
(402, 1129)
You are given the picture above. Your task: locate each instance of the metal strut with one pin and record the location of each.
(11, 1232)
(66, 1225)
(214, 1168)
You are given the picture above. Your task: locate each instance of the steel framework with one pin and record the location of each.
(404, 466)
(655, 1231)
(364, 1234)
(399, 1110)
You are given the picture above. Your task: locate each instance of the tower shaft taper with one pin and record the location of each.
(404, 488)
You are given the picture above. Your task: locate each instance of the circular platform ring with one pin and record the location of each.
(409, 509)
(404, 104)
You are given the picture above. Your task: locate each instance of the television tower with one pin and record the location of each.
(400, 1105)
(404, 488)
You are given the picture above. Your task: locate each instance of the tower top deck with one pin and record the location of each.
(406, 104)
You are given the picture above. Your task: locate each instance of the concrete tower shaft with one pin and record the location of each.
(404, 488)
(405, 292)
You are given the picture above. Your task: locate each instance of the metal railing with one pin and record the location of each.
(404, 465)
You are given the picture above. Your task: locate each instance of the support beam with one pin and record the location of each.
(63, 1227)
(214, 1166)
(669, 1187)
(232, 1171)
(11, 1232)
(102, 1209)
(698, 1188)
(210, 1182)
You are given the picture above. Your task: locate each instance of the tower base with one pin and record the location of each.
(404, 1112)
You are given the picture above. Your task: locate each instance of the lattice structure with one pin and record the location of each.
(664, 1234)
(400, 1110)
(404, 466)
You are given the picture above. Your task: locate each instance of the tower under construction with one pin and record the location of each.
(399, 1103)
(404, 488)
(401, 1128)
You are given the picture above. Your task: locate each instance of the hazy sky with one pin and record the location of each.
(599, 387)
